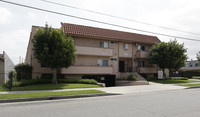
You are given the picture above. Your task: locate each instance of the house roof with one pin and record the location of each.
(190, 68)
(100, 33)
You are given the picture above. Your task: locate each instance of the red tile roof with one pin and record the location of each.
(100, 33)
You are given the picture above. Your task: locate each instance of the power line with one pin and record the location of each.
(101, 22)
(122, 18)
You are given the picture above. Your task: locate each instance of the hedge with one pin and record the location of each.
(48, 81)
(24, 71)
(190, 74)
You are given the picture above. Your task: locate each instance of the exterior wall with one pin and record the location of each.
(6, 65)
(123, 52)
(87, 70)
(192, 64)
(1, 71)
(94, 51)
(88, 53)
(31, 60)
(115, 58)
(90, 60)
(134, 64)
(37, 70)
(86, 42)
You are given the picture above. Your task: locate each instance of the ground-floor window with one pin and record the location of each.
(140, 63)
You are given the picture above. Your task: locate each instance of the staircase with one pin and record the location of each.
(138, 77)
(140, 80)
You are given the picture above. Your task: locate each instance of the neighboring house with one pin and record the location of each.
(191, 65)
(102, 53)
(6, 65)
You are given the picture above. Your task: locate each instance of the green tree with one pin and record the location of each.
(54, 49)
(198, 56)
(171, 55)
(24, 71)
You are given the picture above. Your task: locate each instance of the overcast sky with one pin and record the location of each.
(16, 22)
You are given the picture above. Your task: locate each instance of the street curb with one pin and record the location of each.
(55, 97)
(193, 87)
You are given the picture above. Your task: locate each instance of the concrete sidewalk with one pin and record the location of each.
(118, 89)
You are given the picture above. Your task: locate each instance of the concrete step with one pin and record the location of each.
(130, 83)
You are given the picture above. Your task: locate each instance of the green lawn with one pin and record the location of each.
(51, 86)
(190, 85)
(47, 94)
(196, 77)
(173, 81)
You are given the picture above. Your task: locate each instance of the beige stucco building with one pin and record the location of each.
(102, 52)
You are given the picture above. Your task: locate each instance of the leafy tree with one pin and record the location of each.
(24, 71)
(198, 56)
(169, 55)
(54, 49)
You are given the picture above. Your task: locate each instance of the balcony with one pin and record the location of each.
(87, 70)
(94, 51)
(146, 69)
(142, 54)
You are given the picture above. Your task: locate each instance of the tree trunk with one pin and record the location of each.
(54, 80)
(163, 73)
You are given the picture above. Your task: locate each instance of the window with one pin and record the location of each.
(140, 63)
(103, 44)
(141, 47)
(125, 46)
(113, 42)
(102, 62)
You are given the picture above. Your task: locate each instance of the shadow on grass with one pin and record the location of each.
(173, 81)
(53, 86)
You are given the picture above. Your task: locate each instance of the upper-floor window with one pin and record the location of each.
(103, 44)
(102, 62)
(141, 47)
(113, 42)
(125, 46)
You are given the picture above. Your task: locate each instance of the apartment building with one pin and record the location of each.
(102, 52)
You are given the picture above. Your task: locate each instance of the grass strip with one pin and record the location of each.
(51, 86)
(172, 81)
(47, 94)
(191, 85)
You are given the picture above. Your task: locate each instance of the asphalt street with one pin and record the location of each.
(174, 103)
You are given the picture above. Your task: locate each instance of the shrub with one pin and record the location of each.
(196, 77)
(48, 81)
(151, 78)
(131, 77)
(24, 71)
(176, 78)
(189, 74)
(85, 81)
(7, 84)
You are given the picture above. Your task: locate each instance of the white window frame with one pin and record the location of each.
(140, 47)
(125, 46)
(105, 44)
(101, 62)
